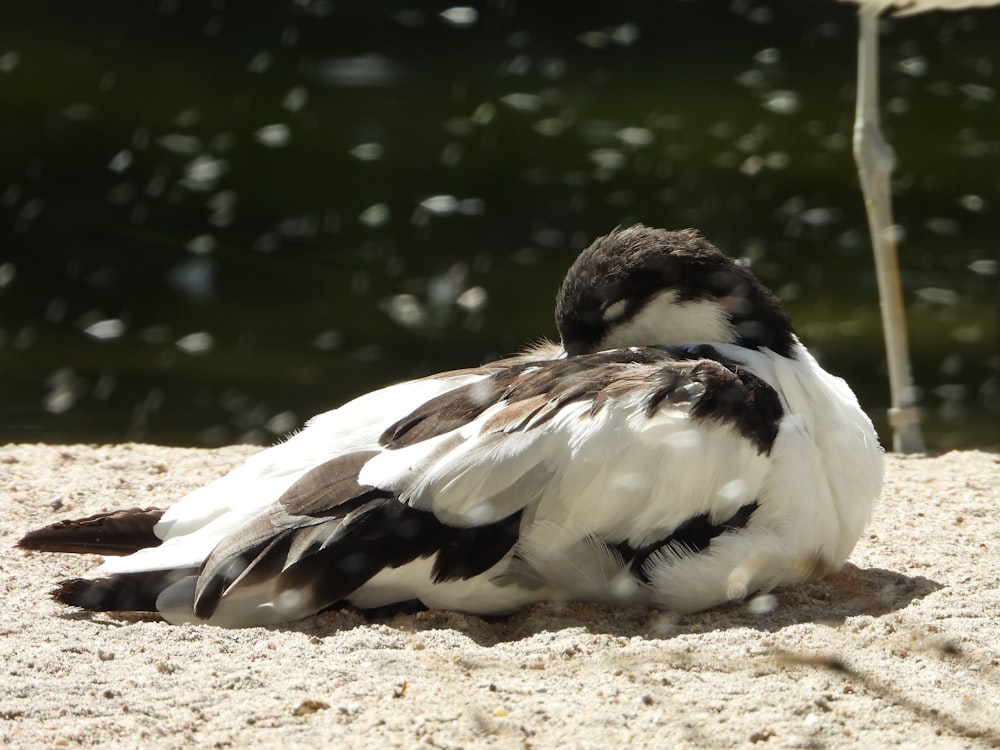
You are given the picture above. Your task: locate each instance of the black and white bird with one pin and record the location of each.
(680, 449)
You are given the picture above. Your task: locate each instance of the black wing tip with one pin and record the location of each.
(72, 592)
(83, 593)
(121, 592)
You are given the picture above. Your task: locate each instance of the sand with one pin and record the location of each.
(900, 649)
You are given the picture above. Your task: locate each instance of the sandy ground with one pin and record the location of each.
(900, 649)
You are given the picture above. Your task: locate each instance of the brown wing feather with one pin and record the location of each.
(119, 532)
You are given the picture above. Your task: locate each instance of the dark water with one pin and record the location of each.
(220, 218)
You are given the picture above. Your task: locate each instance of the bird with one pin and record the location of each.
(679, 448)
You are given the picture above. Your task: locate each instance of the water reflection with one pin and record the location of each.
(220, 220)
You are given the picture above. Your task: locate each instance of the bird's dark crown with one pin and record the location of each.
(614, 279)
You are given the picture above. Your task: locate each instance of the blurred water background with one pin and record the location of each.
(219, 218)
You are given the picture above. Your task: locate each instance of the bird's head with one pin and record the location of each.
(642, 286)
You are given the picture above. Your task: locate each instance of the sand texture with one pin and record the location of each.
(901, 649)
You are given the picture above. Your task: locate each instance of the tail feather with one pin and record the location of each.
(122, 592)
(119, 532)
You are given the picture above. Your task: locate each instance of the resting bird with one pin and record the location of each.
(680, 449)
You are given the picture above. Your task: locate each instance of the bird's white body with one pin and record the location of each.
(681, 449)
(619, 475)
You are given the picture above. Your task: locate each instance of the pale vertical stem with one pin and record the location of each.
(874, 158)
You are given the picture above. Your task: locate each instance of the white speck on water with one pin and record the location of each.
(460, 15)
(608, 158)
(752, 166)
(939, 296)
(625, 35)
(274, 136)
(594, 39)
(782, 102)
(59, 400)
(522, 101)
(553, 68)
(484, 114)
(120, 161)
(443, 289)
(105, 330)
(972, 202)
(65, 388)
(375, 215)
(367, 151)
(260, 62)
(984, 267)
(328, 341)
(970, 334)
(362, 71)
(7, 273)
(224, 200)
(180, 143)
(915, 66)
(751, 79)
(203, 172)
(460, 126)
(295, 99)
(768, 56)
(440, 204)
(777, 160)
(978, 93)
(820, 217)
(195, 343)
(634, 136)
(187, 118)
(202, 244)
(550, 126)
(9, 61)
(473, 299)
(406, 310)
(943, 225)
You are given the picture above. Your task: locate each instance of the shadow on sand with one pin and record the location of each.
(851, 592)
